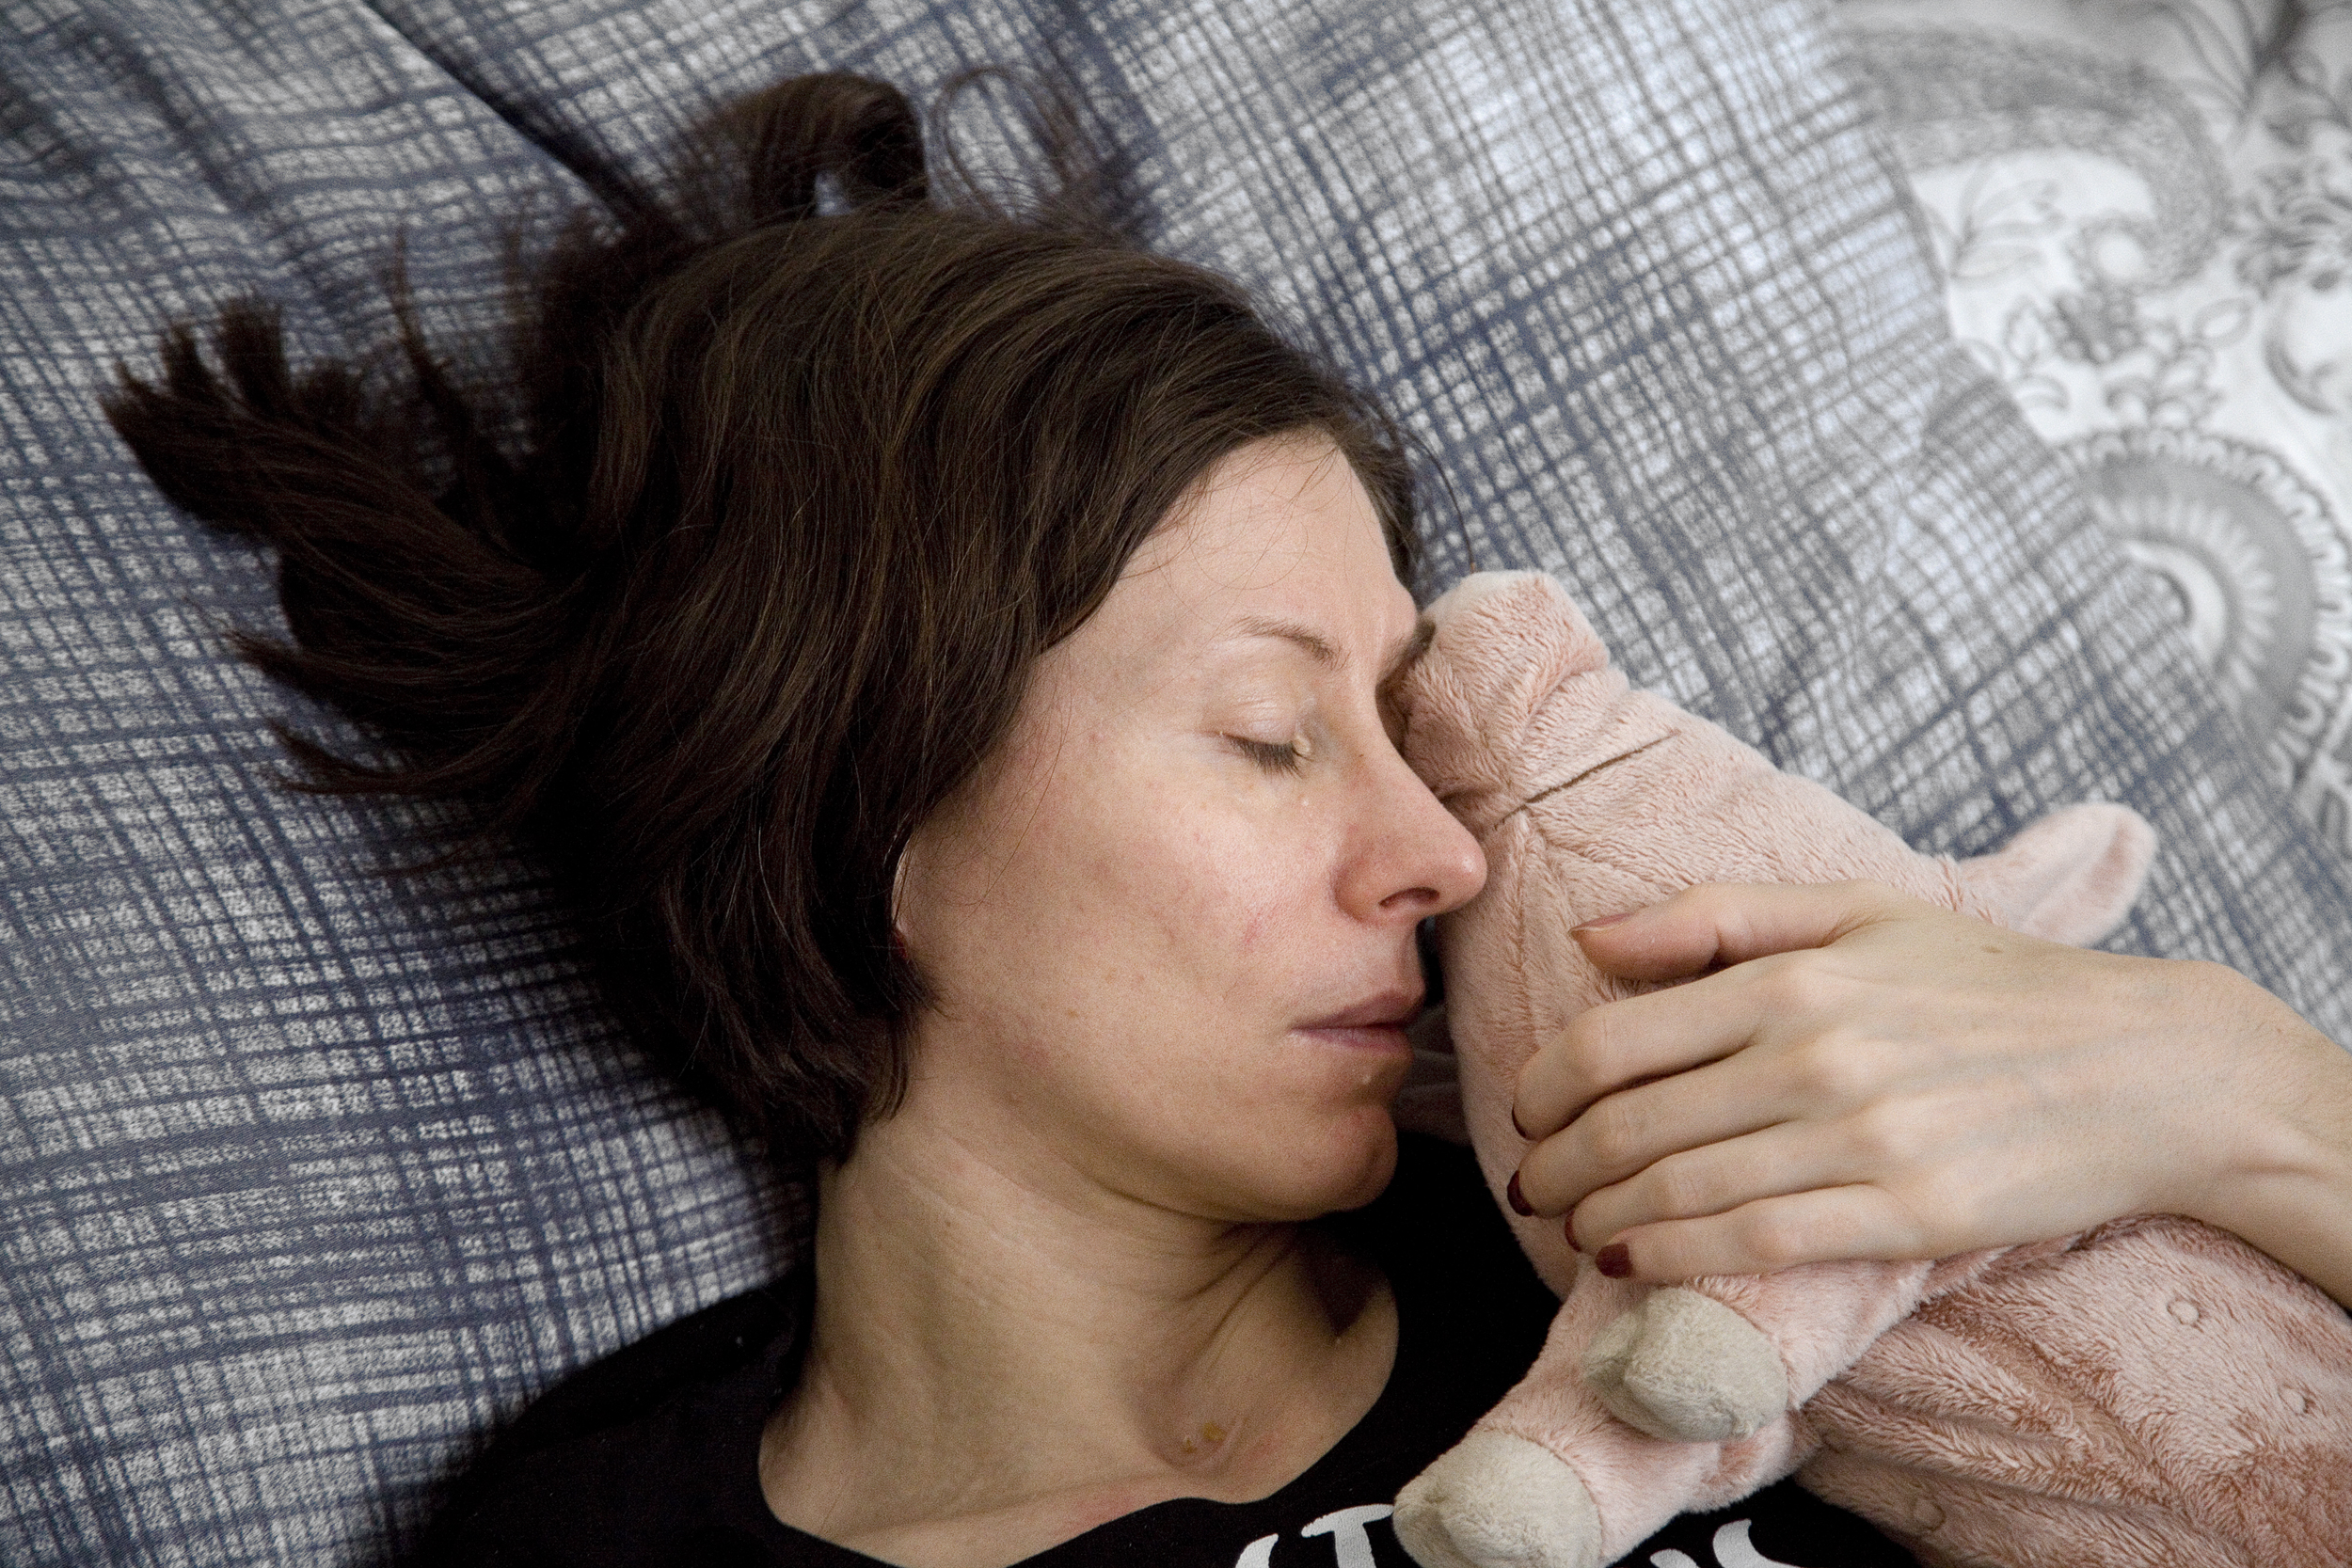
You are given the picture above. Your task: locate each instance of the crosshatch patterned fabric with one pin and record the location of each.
(308, 1177)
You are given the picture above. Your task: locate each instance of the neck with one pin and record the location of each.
(998, 1339)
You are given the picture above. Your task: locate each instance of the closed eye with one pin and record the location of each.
(1275, 756)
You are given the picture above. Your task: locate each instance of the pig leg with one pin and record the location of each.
(1684, 1368)
(1720, 1359)
(1550, 1478)
(1498, 1501)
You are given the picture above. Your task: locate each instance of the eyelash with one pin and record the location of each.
(1274, 757)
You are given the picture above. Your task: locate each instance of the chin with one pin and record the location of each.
(1353, 1157)
(1376, 1178)
(1258, 1165)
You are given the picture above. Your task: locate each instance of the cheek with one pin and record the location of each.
(1172, 906)
(1232, 882)
(1105, 890)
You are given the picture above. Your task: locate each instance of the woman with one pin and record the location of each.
(945, 655)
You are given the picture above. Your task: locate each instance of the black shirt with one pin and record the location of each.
(650, 1457)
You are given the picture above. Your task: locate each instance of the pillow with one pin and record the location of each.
(311, 1176)
(2140, 231)
(314, 1177)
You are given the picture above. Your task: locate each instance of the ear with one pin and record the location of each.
(2072, 876)
(899, 872)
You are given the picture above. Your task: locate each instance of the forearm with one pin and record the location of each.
(2285, 1183)
(2305, 1221)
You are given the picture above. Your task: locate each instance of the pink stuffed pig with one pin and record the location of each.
(2153, 1391)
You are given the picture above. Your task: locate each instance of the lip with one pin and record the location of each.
(1375, 1023)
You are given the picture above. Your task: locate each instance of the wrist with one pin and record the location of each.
(2283, 1182)
(2302, 1220)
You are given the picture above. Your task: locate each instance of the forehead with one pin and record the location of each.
(1280, 530)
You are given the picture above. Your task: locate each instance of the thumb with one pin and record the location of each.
(1703, 929)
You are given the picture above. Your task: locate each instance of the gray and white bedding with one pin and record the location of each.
(2142, 213)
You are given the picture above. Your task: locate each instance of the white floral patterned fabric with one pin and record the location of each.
(2143, 213)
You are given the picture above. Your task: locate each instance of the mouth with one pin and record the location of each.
(1375, 1024)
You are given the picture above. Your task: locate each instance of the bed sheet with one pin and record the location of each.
(2143, 216)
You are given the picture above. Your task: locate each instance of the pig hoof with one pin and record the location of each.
(1497, 1501)
(1686, 1369)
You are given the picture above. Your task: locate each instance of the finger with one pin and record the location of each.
(1769, 1162)
(1613, 1045)
(1825, 1225)
(1703, 927)
(1622, 1135)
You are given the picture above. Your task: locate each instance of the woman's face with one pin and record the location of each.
(1170, 925)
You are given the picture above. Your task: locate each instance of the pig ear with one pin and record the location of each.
(1510, 631)
(1499, 644)
(1478, 587)
(2072, 876)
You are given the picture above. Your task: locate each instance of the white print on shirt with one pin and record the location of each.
(1350, 1543)
(1353, 1548)
(1732, 1550)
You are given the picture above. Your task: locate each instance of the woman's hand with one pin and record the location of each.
(1874, 1077)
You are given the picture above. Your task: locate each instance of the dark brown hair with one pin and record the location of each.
(799, 500)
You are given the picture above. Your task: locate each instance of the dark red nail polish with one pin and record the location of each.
(1568, 1228)
(1613, 1261)
(1511, 1195)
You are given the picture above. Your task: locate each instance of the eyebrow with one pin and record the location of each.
(1319, 648)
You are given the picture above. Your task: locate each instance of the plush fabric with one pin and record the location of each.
(312, 1177)
(2006, 1405)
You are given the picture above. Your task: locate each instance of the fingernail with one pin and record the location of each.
(1511, 1195)
(1568, 1228)
(1604, 920)
(1525, 1136)
(1613, 1261)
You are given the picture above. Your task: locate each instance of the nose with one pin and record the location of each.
(1408, 858)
